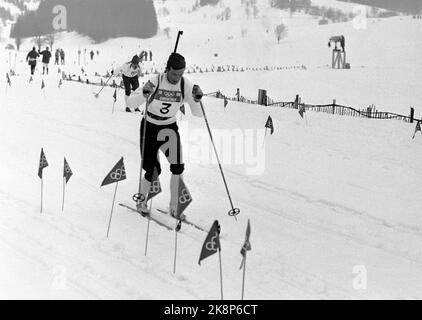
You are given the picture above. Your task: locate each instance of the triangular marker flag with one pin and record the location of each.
(211, 243)
(184, 198)
(269, 124)
(155, 187)
(246, 245)
(118, 173)
(67, 172)
(43, 163)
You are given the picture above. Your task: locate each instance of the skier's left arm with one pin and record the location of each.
(193, 95)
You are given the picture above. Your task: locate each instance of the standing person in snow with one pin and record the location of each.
(46, 56)
(92, 55)
(62, 56)
(57, 57)
(32, 59)
(165, 93)
(130, 71)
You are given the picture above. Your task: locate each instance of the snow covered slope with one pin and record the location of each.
(327, 196)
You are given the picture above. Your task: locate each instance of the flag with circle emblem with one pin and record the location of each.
(155, 187)
(43, 163)
(67, 172)
(184, 198)
(246, 245)
(211, 243)
(118, 173)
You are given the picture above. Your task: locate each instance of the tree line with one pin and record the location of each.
(98, 19)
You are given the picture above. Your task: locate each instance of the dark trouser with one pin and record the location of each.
(32, 68)
(167, 139)
(130, 82)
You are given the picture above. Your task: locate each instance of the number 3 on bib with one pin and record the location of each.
(165, 110)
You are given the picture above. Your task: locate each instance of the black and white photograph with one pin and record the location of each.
(210, 150)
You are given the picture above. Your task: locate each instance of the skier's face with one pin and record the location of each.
(174, 76)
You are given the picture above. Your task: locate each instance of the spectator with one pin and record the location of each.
(46, 56)
(32, 59)
(62, 55)
(57, 57)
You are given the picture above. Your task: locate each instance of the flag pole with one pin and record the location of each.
(244, 272)
(263, 141)
(64, 187)
(112, 207)
(149, 220)
(176, 230)
(221, 274)
(41, 192)
(112, 111)
(175, 251)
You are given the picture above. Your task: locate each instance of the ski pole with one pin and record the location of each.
(97, 94)
(234, 211)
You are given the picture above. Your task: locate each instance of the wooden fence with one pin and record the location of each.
(332, 108)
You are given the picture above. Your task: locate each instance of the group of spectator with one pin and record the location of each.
(33, 55)
(59, 55)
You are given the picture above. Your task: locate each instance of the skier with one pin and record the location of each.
(165, 93)
(57, 57)
(62, 56)
(46, 55)
(32, 59)
(92, 55)
(130, 71)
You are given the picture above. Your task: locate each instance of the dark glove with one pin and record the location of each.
(197, 93)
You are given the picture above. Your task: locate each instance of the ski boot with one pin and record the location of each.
(128, 109)
(141, 198)
(142, 208)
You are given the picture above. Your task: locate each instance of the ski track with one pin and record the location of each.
(379, 233)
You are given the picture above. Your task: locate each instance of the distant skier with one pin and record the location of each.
(46, 56)
(62, 56)
(166, 92)
(31, 58)
(130, 71)
(150, 55)
(343, 43)
(57, 57)
(92, 55)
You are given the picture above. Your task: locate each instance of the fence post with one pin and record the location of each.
(262, 97)
(334, 105)
(412, 114)
(238, 94)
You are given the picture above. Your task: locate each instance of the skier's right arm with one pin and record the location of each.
(150, 86)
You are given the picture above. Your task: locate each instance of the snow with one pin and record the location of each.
(326, 196)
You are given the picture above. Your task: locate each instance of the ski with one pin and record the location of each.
(161, 219)
(188, 222)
